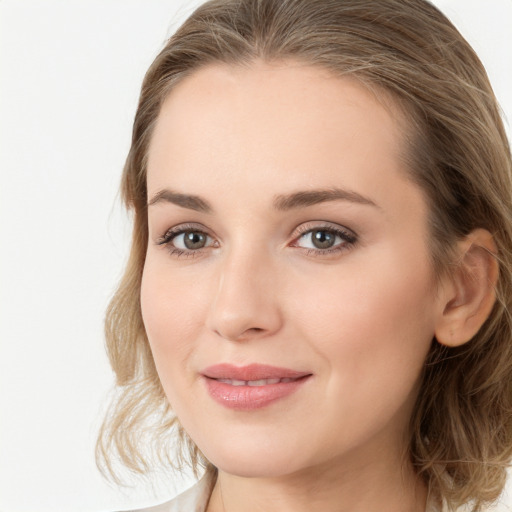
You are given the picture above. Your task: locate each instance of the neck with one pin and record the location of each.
(335, 487)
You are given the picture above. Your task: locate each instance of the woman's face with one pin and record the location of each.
(285, 242)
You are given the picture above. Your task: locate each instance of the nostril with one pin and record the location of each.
(251, 332)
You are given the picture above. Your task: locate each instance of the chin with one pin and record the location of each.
(255, 463)
(255, 469)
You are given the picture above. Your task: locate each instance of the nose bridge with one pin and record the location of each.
(244, 303)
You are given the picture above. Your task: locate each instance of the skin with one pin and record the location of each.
(360, 319)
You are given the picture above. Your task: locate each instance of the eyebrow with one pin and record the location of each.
(285, 202)
(184, 200)
(312, 197)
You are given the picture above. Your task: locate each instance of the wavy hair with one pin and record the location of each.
(458, 153)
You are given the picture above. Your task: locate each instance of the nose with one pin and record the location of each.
(245, 302)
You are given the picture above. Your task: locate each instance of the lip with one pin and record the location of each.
(251, 372)
(245, 397)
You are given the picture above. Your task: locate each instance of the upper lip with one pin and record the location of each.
(251, 372)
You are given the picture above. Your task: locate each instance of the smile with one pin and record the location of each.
(251, 387)
(261, 382)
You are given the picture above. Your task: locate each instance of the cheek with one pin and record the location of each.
(371, 323)
(172, 308)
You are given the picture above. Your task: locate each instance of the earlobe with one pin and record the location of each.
(468, 294)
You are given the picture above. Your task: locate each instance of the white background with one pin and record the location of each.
(70, 73)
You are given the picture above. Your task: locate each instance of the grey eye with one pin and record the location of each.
(322, 239)
(191, 240)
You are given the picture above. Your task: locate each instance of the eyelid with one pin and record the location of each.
(181, 228)
(167, 239)
(348, 236)
(306, 227)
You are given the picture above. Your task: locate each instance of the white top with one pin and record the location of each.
(196, 499)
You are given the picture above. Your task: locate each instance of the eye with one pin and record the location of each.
(321, 239)
(191, 240)
(186, 240)
(324, 239)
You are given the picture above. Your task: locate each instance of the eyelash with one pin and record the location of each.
(172, 233)
(348, 237)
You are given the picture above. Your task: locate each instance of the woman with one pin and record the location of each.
(317, 298)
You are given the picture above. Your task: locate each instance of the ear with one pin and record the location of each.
(468, 294)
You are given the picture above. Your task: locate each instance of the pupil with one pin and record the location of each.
(323, 239)
(194, 240)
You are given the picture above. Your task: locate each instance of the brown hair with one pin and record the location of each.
(461, 439)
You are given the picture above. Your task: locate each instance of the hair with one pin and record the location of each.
(458, 153)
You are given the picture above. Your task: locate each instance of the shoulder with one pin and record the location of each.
(194, 499)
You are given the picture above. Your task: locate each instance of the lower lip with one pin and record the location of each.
(248, 398)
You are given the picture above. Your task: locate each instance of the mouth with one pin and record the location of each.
(251, 387)
(251, 373)
(260, 382)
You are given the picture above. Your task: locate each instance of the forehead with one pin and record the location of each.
(288, 122)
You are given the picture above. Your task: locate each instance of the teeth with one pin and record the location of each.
(261, 382)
